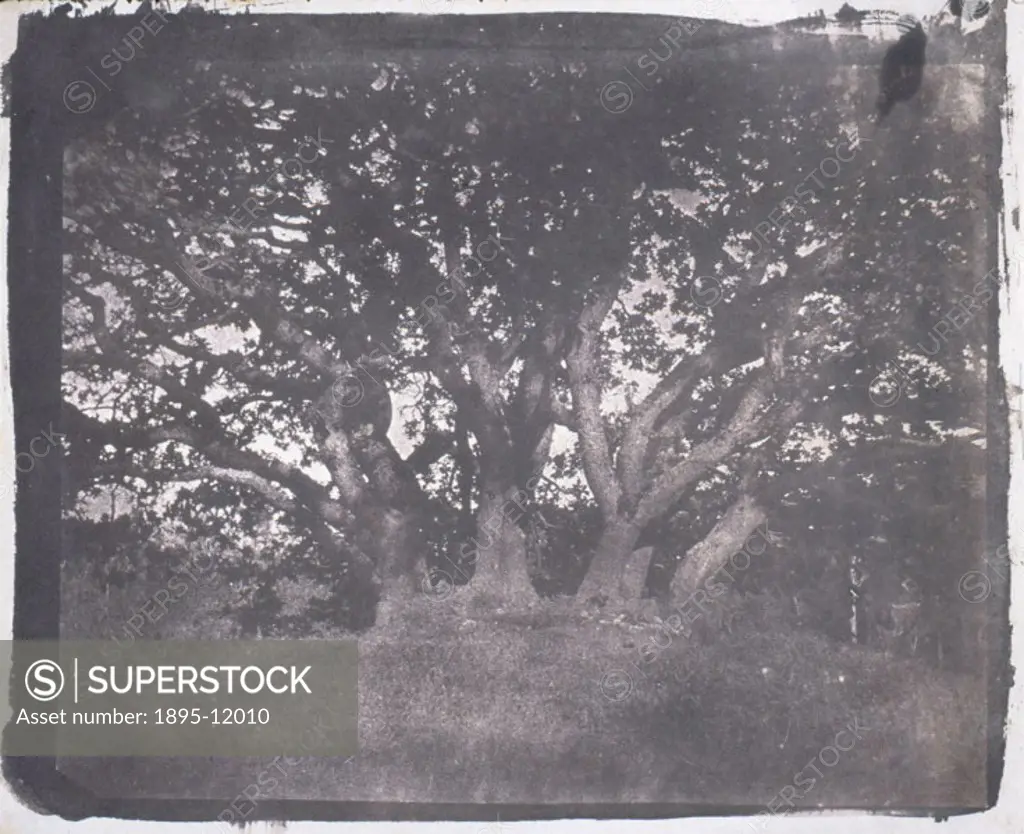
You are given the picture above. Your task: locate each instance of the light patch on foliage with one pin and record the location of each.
(810, 443)
(297, 594)
(381, 81)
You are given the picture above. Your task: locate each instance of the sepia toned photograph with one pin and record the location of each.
(627, 386)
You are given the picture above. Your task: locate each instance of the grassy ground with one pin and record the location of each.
(463, 706)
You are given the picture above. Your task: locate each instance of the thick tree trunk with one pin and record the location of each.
(611, 564)
(634, 573)
(501, 575)
(392, 517)
(730, 536)
(394, 538)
